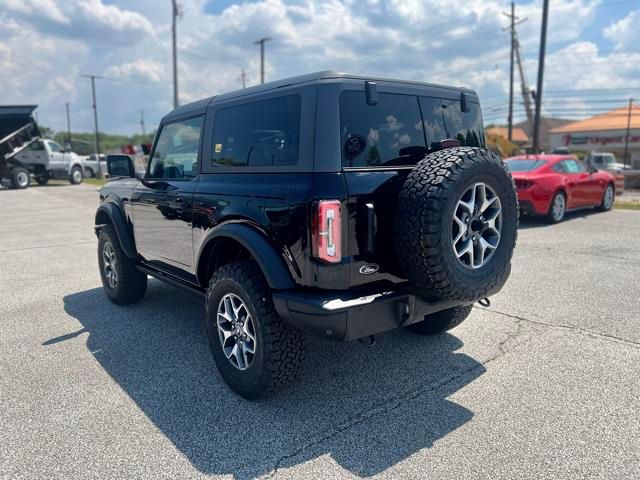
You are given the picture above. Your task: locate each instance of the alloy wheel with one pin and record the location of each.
(109, 265)
(476, 226)
(236, 331)
(558, 208)
(608, 197)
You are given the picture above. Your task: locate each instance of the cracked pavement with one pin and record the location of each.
(542, 384)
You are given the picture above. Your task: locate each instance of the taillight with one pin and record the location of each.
(523, 184)
(326, 235)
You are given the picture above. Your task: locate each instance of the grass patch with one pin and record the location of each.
(627, 205)
(94, 181)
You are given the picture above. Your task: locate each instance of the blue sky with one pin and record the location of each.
(46, 45)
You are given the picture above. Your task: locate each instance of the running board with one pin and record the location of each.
(171, 280)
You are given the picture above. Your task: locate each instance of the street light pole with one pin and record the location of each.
(626, 138)
(100, 174)
(513, 31)
(543, 44)
(261, 42)
(68, 124)
(174, 5)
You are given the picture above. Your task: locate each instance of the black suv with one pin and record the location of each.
(328, 204)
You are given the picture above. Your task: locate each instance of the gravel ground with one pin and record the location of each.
(543, 384)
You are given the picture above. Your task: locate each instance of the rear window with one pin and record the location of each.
(263, 133)
(401, 129)
(524, 164)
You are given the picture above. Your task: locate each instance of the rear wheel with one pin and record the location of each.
(441, 321)
(607, 199)
(558, 208)
(254, 350)
(42, 179)
(122, 282)
(20, 178)
(76, 176)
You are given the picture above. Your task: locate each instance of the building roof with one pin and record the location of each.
(615, 119)
(518, 134)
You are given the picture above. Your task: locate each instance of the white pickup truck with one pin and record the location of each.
(46, 159)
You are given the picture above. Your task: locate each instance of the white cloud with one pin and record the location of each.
(37, 8)
(113, 18)
(626, 32)
(141, 70)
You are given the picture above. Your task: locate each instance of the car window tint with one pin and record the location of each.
(523, 164)
(388, 133)
(54, 147)
(176, 151)
(444, 119)
(559, 167)
(262, 133)
(38, 145)
(573, 166)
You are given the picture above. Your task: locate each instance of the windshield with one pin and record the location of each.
(524, 164)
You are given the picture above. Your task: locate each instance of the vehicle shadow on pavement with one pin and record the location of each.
(367, 408)
(527, 222)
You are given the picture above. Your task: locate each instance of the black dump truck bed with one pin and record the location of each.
(18, 129)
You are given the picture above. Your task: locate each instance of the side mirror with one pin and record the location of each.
(120, 166)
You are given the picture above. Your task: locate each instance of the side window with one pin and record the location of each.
(262, 133)
(36, 146)
(559, 167)
(55, 147)
(573, 166)
(444, 119)
(176, 152)
(389, 133)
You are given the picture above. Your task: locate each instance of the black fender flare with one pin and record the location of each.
(270, 262)
(119, 223)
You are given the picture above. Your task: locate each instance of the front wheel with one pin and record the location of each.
(42, 179)
(76, 176)
(254, 350)
(558, 208)
(441, 321)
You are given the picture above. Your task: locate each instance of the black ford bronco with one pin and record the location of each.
(326, 204)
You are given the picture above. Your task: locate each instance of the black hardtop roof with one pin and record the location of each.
(198, 107)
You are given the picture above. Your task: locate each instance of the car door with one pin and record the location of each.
(162, 201)
(578, 184)
(56, 158)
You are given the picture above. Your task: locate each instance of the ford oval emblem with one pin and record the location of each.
(369, 269)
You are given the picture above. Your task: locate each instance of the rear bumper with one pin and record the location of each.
(533, 204)
(347, 315)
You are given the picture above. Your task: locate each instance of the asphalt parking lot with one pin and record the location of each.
(543, 384)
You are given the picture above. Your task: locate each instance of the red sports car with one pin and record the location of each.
(552, 185)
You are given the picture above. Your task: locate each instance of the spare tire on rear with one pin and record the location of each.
(456, 224)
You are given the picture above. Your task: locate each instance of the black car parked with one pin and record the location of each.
(327, 204)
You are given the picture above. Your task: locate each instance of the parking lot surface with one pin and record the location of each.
(542, 384)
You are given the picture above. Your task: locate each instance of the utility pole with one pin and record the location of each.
(100, 173)
(515, 56)
(243, 79)
(543, 45)
(261, 42)
(68, 124)
(175, 13)
(144, 132)
(626, 138)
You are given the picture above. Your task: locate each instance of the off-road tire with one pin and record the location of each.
(603, 207)
(42, 179)
(441, 321)
(423, 223)
(18, 178)
(132, 283)
(279, 347)
(75, 179)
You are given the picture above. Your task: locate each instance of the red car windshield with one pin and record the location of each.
(524, 164)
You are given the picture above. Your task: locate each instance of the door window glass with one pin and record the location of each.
(176, 152)
(444, 119)
(38, 145)
(55, 147)
(388, 133)
(262, 133)
(574, 166)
